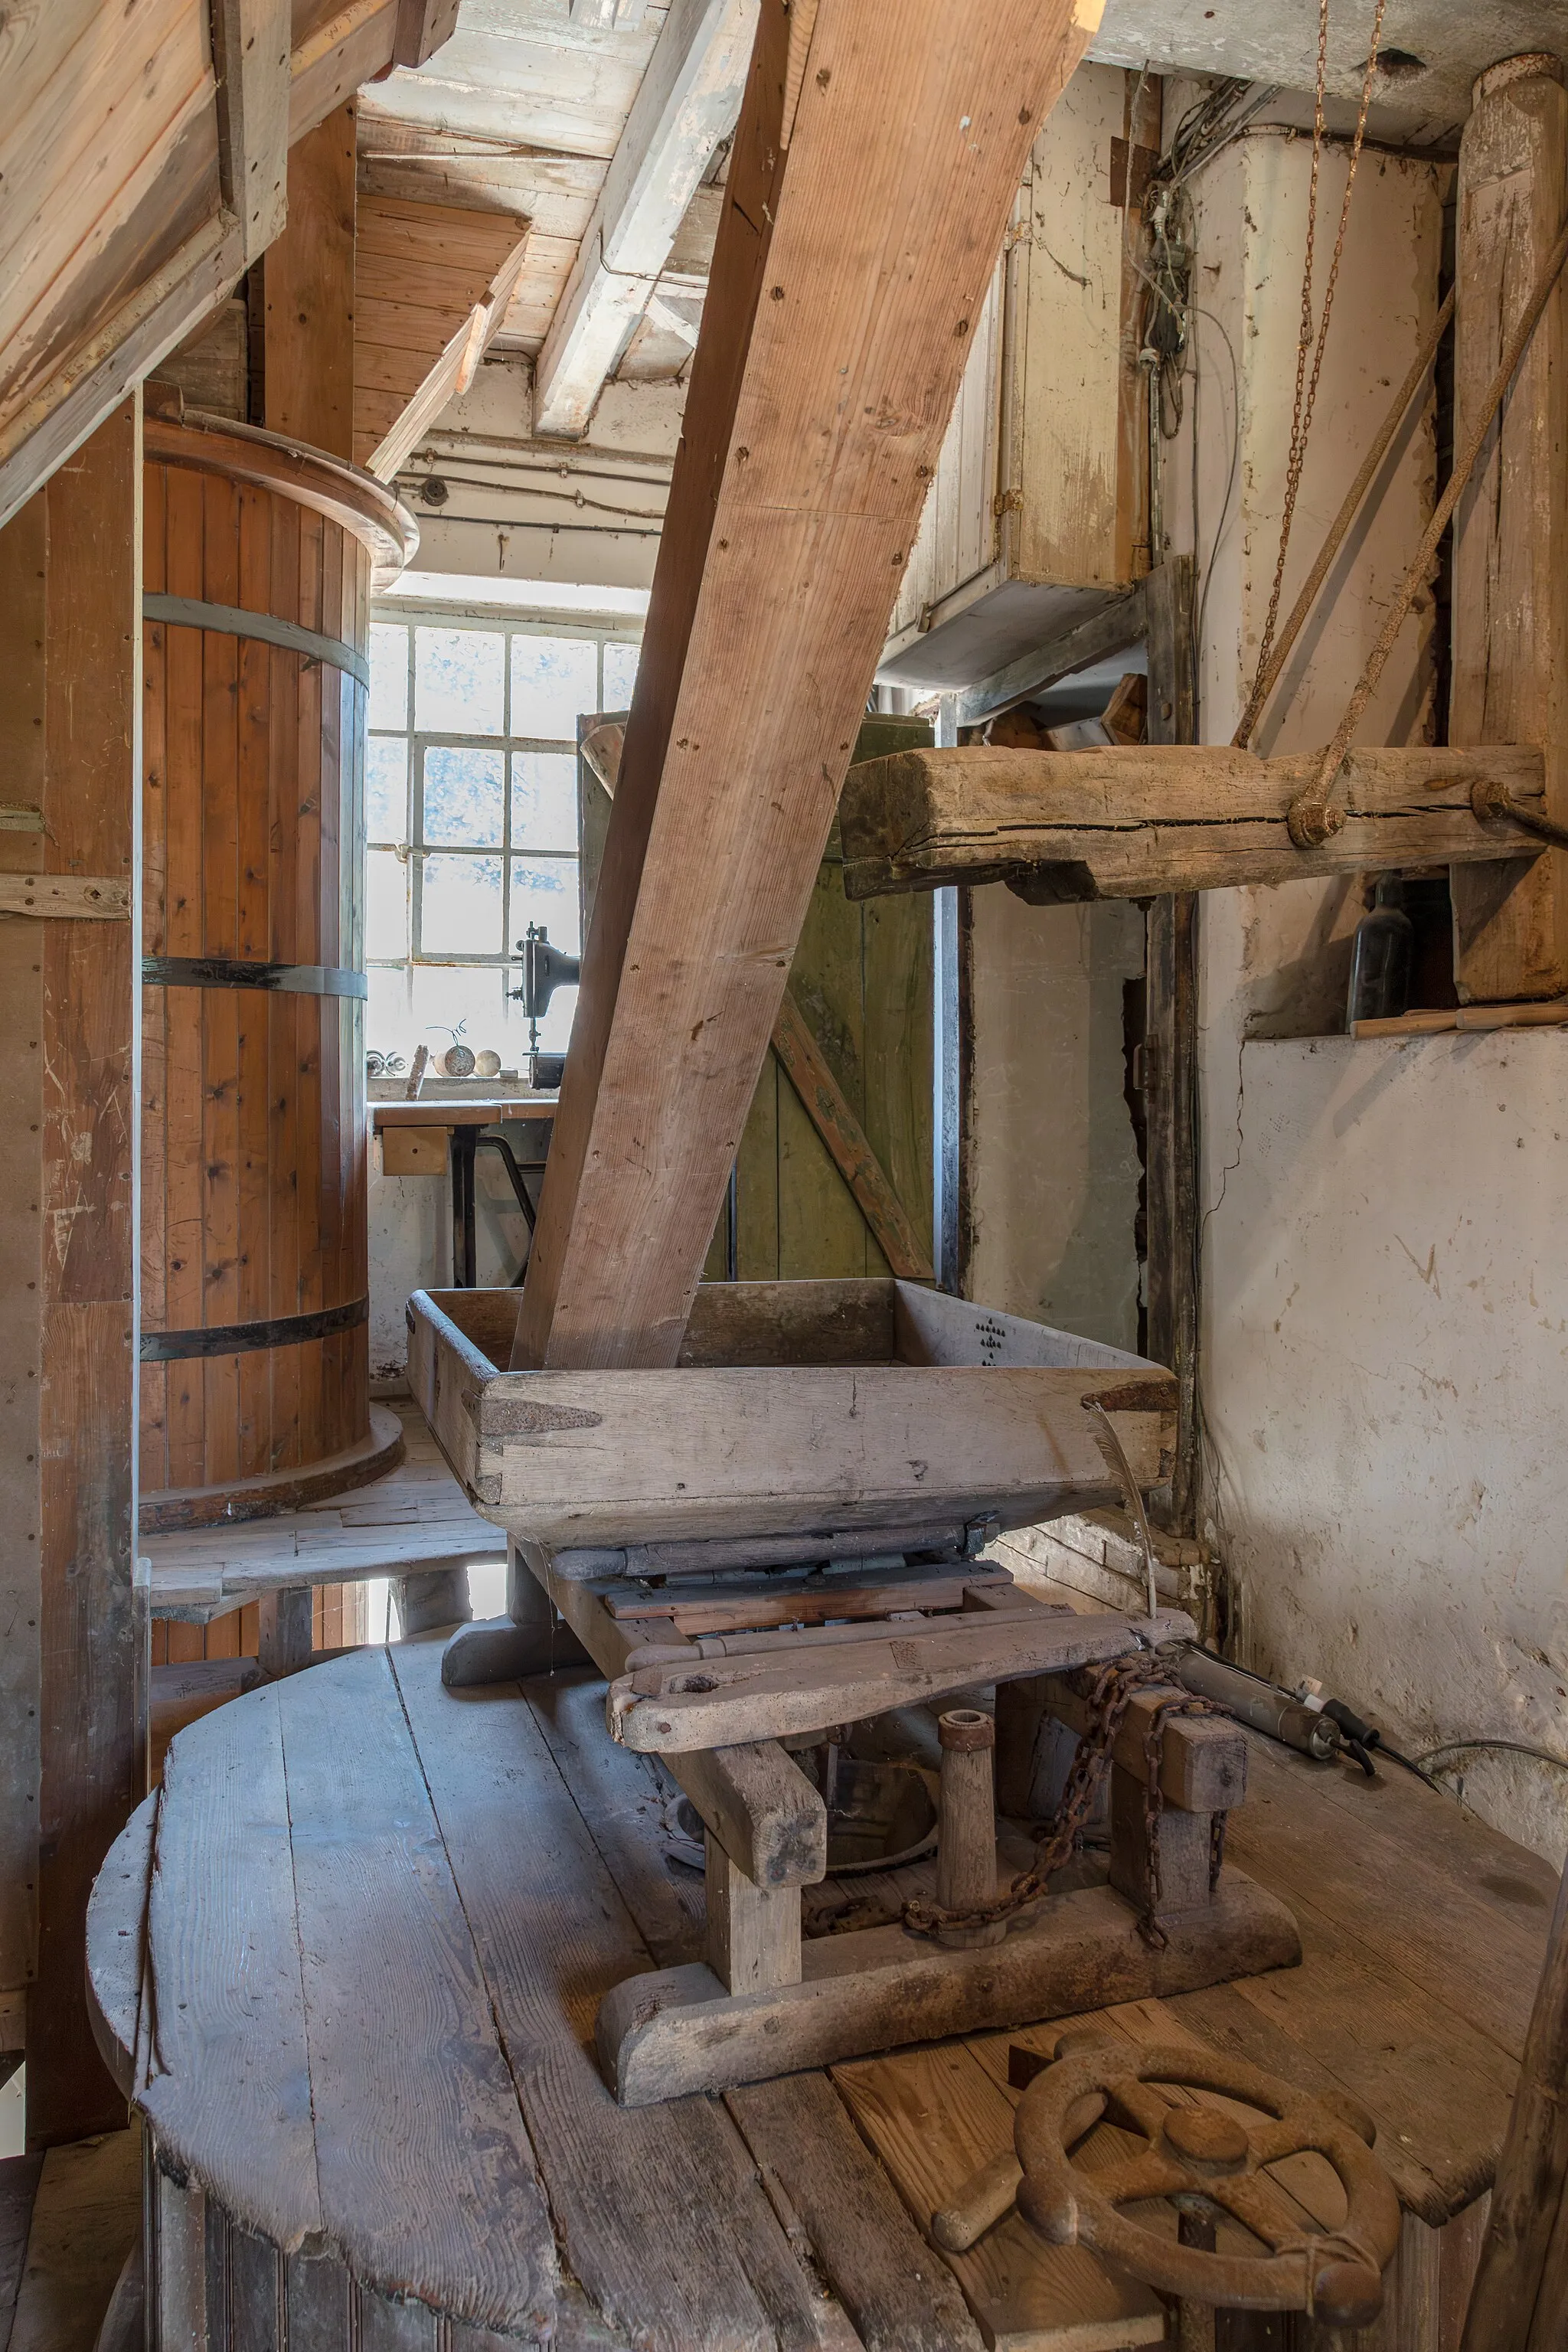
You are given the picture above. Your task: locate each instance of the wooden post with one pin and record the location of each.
(1510, 531)
(309, 281)
(877, 156)
(966, 1825)
(1171, 1057)
(70, 989)
(753, 1932)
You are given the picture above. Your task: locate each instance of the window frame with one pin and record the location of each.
(413, 849)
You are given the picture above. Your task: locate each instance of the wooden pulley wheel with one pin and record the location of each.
(1207, 2161)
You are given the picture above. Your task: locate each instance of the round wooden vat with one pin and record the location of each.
(260, 561)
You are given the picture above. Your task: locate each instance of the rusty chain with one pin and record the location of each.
(1109, 1690)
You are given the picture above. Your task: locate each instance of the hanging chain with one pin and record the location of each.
(1306, 398)
(1109, 1690)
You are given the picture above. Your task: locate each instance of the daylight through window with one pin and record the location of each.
(471, 817)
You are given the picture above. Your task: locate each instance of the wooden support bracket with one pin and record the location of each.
(1136, 820)
(676, 2031)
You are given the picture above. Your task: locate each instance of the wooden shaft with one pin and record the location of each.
(966, 1833)
(1311, 587)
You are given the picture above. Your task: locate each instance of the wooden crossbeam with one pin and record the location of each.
(1137, 821)
(687, 103)
(878, 154)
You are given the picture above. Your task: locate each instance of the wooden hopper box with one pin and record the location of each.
(796, 1407)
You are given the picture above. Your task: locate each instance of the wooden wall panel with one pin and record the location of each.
(309, 281)
(89, 1010)
(23, 554)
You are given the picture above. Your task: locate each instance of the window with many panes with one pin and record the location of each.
(472, 816)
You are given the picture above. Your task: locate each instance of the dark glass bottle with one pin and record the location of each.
(1380, 959)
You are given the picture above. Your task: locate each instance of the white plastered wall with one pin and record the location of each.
(1385, 1298)
(1051, 1156)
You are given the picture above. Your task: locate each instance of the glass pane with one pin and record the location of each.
(386, 907)
(463, 795)
(386, 1021)
(543, 801)
(457, 681)
(620, 674)
(446, 995)
(388, 676)
(461, 913)
(553, 678)
(386, 788)
(546, 894)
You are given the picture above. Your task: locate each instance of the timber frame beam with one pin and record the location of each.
(877, 156)
(687, 102)
(78, 329)
(1136, 820)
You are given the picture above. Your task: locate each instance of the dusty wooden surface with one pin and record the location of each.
(490, 1864)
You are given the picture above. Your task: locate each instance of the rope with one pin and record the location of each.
(1311, 817)
(1268, 675)
(1306, 399)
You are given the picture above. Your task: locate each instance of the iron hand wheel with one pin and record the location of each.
(1207, 2161)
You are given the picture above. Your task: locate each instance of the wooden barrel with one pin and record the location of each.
(260, 559)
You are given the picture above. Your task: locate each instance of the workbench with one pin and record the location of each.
(381, 1921)
(428, 1136)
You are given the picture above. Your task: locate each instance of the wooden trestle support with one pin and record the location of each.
(745, 1619)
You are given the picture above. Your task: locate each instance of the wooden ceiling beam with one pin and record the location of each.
(251, 52)
(1141, 820)
(875, 165)
(690, 98)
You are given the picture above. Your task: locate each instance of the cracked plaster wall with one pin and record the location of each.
(1385, 1309)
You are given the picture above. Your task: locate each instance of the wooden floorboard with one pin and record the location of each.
(417, 1513)
(419, 2144)
(225, 1979)
(18, 2187)
(86, 2215)
(1342, 1841)
(659, 2211)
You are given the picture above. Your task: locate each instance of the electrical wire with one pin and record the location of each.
(1505, 1747)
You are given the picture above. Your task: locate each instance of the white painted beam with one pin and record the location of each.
(689, 98)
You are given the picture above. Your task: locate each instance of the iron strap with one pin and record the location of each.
(239, 1339)
(228, 620)
(224, 971)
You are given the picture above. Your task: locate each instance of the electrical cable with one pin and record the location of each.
(1506, 1747)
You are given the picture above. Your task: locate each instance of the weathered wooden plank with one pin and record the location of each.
(226, 1985)
(811, 430)
(573, 1459)
(418, 2136)
(669, 1710)
(898, 2292)
(90, 1015)
(1511, 529)
(552, 1937)
(1137, 819)
(875, 1988)
(934, 2117)
(758, 1802)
